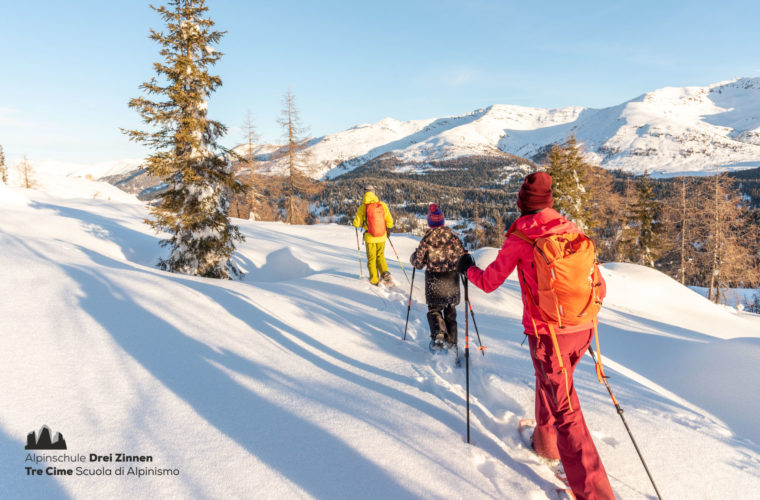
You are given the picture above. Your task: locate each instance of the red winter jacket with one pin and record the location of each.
(519, 253)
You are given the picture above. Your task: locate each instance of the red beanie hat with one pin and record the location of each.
(536, 192)
(435, 216)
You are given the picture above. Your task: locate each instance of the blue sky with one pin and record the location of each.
(69, 68)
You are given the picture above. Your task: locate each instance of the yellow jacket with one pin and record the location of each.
(361, 218)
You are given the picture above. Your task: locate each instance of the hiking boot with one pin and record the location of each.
(386, 276)
(439, 339)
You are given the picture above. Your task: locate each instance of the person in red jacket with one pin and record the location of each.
(561, 431)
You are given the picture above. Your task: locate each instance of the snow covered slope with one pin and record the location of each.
(294, 383)
(52, 168)
(668, 131)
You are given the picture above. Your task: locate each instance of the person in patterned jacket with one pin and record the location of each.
(440, 250)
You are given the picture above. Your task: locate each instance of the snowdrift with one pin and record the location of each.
(294, 382)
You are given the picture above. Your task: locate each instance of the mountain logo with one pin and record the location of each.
(41, 440)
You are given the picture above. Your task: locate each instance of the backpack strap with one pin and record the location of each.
(562, 367)
(526, 291)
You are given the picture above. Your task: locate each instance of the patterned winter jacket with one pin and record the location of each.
(439, 250)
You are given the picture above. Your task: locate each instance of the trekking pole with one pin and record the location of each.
(467, 357)
(399, 260)
(409, 304)
(359, 253)
(468, 305)
(603, 378)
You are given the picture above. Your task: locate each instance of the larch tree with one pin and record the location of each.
(569, 173)
(682, 221)
(731, 248)
(297, 160)
(199, 181)
(260, 186)
(26, 171)
(3, 167)
(251, 137)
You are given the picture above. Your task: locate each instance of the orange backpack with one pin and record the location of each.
(568, 278)
(568, 285)
(376, 218)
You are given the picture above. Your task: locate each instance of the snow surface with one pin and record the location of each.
(295, 383)
(54, 168)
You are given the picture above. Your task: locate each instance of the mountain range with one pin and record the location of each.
(686, 130)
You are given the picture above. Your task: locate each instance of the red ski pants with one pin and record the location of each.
(561, 433)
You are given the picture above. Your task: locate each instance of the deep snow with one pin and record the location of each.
(294, 382)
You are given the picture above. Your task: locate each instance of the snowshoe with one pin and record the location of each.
(387, 280)
(526, 428)
(438, 344)
(564, 494)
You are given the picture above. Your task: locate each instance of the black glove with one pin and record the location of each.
(464, 263)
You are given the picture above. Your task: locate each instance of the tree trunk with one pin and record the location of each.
(714, 293)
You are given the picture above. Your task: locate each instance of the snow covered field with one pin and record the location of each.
(294, 382)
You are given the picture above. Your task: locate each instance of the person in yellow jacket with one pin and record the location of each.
(375, 244)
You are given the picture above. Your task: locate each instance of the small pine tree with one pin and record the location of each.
(569, 173)
(643, 226)
(193, 208)
(3, 167)
(297, 160)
